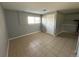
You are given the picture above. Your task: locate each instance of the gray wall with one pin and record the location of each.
(17, 23)
(59, 22)
(54, 26)
(63, 22)
(3, 35)
(68, 24)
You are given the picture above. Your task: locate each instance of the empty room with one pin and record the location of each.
(39, 29)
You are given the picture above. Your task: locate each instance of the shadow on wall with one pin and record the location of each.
(44, 28)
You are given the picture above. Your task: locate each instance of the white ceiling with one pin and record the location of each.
(37, 7)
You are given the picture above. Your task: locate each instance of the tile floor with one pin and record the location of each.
(43, 45)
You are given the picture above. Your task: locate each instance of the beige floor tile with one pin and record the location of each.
(43, 45)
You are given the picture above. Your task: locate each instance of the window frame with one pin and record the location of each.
(34, 20)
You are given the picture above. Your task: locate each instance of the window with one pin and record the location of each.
(33, 20)
(30, 20)
(37, 19)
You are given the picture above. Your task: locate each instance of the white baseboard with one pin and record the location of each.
(62, 32)
(59, 33)
(23, 35)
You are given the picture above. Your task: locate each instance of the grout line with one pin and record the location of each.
(23, 35)
(18, 37)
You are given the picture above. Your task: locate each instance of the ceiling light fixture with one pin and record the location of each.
(44, 9)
